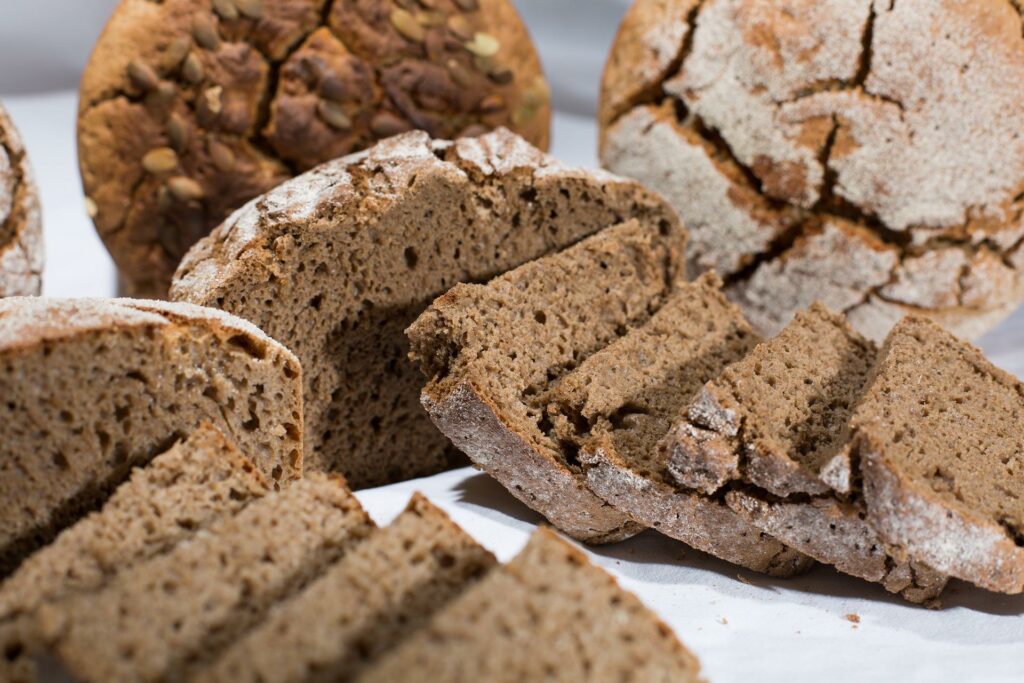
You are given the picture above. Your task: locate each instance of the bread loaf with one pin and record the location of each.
(21, 230)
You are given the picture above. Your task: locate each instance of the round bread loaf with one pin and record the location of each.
(21, 230)
(869, 154)
(189, 108)
(338, 262)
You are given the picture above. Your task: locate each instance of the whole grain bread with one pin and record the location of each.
(226, 99)
(771, 433)
(362, 606)
(93, 388)
(161, 619)
(492, 351)
(549, 615)
(618, 404)
(938, 439)
(183, 491)
(867, 154)
(21, 229)
(338, 262)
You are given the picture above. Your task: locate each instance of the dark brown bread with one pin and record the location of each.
(549, 615)
(492, 351)
(364, 605)
(92, 388)
(189, 108)
(337, 263)
(21, 230)
(939, 442)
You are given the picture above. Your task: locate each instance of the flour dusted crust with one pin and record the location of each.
(21, 230)
(224, 99)
(769, 124)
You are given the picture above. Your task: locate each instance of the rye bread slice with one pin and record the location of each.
(772, 434)
(491, 352)
(338, 262)
(197, 482)
(939, 440)
(92, 388)
(162, 618)
(549, 615)
(616, 406)
(365, 604)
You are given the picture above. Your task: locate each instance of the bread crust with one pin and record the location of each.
(21, 224)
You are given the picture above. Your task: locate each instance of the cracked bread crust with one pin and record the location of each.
(852, 117)
(189, 108)
(21, 229)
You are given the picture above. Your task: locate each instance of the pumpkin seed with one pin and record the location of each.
(459, 26)
(386, 124)
(177, 132)
(537, 94)
(205, 32)
(429, 19)
(491, 104)
(142, 75)
(178, 49)
(222, 156)
(192, 69)
(405, 23)
(333, 115)
(253, 9)
(460, 74)
(483, 45)
(185, 189)
(91, 207)
(226, 9)
(160, 160)
(468, 5)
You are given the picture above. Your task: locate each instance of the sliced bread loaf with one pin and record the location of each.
(549, 615)
(772, 432)
(93, 388)
(188, 488)
(616, 406)
(363, 605)
(492, 351)
(162, 618)
(21, 229)
(338, 262)
(938, 435)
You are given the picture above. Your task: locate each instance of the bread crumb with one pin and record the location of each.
(743, 579)
(723, 621)
(853, 619)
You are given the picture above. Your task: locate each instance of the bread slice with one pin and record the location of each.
(183, 491)
(338, 262)
(21, 222)
(381, 591)
(548, 615)
(162, 618)
(771, 433)
(92, 388)
(491, 352)
(938, 435)
(616, 406)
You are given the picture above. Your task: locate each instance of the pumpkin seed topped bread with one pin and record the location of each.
(616, 406)
(21, 230)
(548, 615)
(492, 351)
(938, 436)
(190, 108)
(338, 262)
(93, 388)
(360, 607)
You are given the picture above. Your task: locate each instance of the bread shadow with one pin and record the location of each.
(484, 492)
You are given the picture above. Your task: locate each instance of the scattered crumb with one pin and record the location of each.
(723, 621)
(853, 619)
(743, 579)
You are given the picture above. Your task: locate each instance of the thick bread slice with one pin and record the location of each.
(164, 617)
(492, 350)
(338, 262)
(21, 222)
(772, 431)
(549, 615)
(92, 388)
(194, 484)
(621, 401)
(362, 606)
(938, 434)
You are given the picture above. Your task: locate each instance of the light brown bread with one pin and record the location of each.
(162, 618)
(224, 99)
(362, 606)
(866, 154)
(338, 262)
(183, 491)
(939, 443)
(21, 229)
(492, 351)
(549, 615)
(92, 388)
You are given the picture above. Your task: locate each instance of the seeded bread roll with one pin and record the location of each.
(868, 154)
(362, 606)
(939, 442)
(224, 99)
(338, 262)
(492, 351)
(163, 618)
(549, 615)
(92, 388)
(183, 491)
(21, 229)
